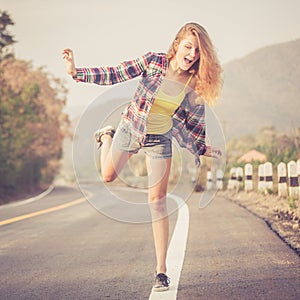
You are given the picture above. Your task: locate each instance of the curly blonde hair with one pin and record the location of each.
(207, 69)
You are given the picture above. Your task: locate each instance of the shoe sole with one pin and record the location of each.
(160, 289)
(106, 130)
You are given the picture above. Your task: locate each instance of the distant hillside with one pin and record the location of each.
(262, 89)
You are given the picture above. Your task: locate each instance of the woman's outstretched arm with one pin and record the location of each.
(68, 56)
(125, 70)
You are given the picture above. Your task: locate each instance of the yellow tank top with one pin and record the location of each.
(160, 116)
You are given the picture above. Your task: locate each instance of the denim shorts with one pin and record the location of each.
(155, 146)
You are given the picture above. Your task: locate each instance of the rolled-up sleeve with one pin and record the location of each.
(190, 128)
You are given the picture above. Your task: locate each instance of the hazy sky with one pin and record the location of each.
(105, 32)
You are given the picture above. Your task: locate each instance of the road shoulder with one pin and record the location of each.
(232, 254)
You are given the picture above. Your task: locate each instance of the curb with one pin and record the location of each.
(26, 201)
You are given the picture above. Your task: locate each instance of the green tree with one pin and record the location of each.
(32, 122)
(277, 146)
(33, 125)
(6, 39)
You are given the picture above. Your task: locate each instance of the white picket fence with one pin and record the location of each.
(288, 176)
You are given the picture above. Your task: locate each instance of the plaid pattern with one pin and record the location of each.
(188, 121)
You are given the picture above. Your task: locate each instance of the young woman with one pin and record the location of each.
(168, 102)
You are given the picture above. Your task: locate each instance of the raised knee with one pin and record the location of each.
(108, 177)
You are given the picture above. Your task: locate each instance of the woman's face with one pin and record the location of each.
(187, 52)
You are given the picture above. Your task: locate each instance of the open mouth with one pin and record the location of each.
(188, 61)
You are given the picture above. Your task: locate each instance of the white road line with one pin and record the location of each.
(176, 251)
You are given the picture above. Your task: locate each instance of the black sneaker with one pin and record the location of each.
(110, 130)
(161, 282)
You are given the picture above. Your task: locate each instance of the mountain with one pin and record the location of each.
(261, 89)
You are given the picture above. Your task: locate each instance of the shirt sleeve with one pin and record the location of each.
(190, 128)
(111, 75)
(197, 128)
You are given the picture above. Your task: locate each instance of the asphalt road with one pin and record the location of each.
(75, 252)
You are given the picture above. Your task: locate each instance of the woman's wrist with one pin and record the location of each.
(74, 75)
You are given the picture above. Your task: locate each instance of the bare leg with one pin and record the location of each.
(112, 161)
(158, 173)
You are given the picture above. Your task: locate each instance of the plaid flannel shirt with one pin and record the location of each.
(188, 121)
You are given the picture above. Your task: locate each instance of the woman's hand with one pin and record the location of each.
(212, 152)
(69, 59)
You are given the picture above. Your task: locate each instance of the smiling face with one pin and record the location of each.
(187, 52)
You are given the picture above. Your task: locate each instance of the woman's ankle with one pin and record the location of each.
(161, 270)
(105, 137)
